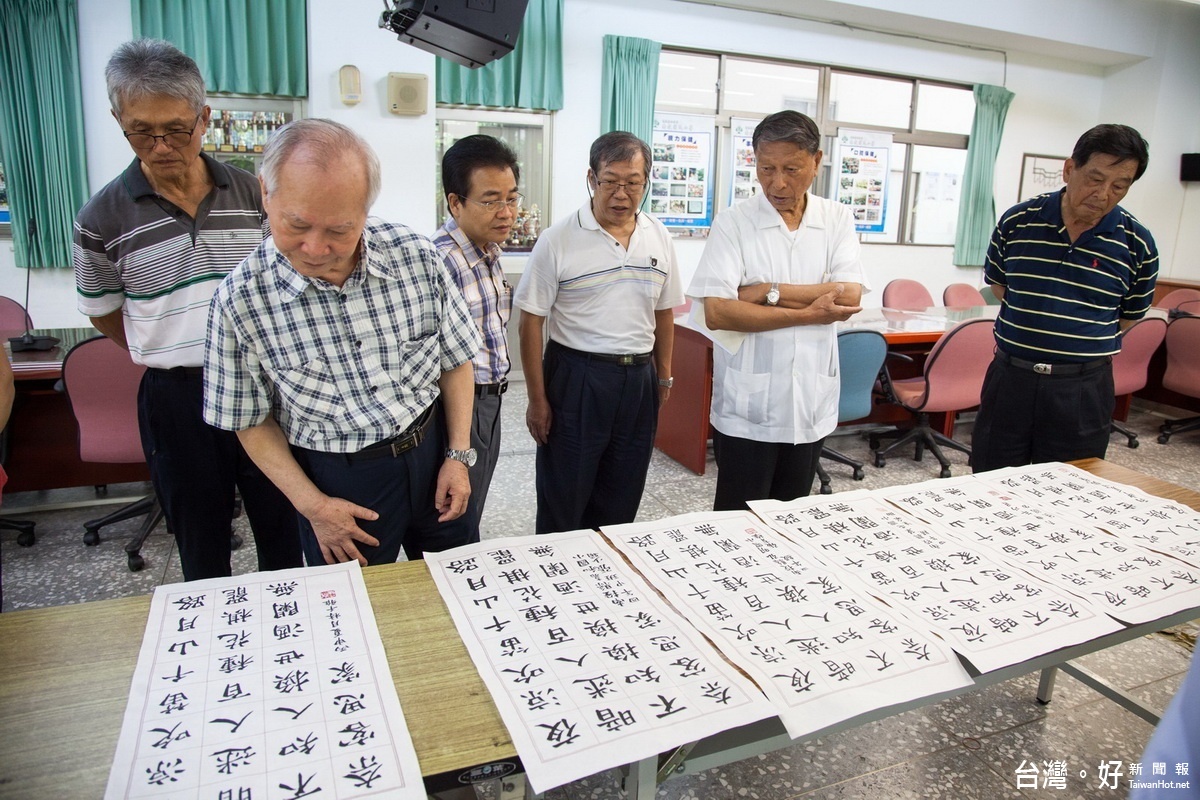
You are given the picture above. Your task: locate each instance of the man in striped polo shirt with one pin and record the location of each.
(150, 249)
(1072, 270)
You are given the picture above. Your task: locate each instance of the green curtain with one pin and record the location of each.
(531, 76)
(41, 127)
(628, 83)
(241, 46)
(977, 208)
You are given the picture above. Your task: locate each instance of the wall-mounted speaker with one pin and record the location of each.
(407, 93)
(1189, 167)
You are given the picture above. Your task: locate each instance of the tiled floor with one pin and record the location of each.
(965, 748)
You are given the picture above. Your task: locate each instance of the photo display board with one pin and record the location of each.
(681, 178)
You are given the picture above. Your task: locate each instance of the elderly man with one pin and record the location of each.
(606, 280)
(340, 351)
(480, 175)
(150, 249)
(1072, 270)
(780, 267)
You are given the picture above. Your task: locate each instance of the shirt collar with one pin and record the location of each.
(471, 251)
(765, 215)
(292, 284)
(587, 220)
(139, 187)
(1051, 211)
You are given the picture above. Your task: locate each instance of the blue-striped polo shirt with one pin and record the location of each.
(1063, 300)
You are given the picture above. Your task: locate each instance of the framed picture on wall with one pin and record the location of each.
(1040, 174)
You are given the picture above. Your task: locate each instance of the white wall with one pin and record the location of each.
(1056, 100)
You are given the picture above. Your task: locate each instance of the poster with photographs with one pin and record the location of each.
(744, 184)
(861, 168)
(681, 193)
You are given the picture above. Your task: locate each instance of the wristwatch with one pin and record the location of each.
(467, 456)
(666, 383)
(773, 295)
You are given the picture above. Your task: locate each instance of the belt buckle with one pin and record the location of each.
(1043, 369)
(625, 360)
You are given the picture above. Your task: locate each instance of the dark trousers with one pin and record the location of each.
(195, 468)
(485, 438)
(592, 470)
(1029, 418)
(398, 488)
(751, 470)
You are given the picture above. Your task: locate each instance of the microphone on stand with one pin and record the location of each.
(28, 341)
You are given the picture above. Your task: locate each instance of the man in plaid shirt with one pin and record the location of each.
(340, 351)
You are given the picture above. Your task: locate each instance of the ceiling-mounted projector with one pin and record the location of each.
(468, 32)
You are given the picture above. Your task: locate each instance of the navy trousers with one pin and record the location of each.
(752, 470)
(592, 470)
(195, 468)
(1029, 418)
(400, 489)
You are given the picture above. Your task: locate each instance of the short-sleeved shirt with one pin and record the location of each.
(136, 250)
(600, 297)
(781, 385)
(1063, 300)
(480, 276)
(340, 368)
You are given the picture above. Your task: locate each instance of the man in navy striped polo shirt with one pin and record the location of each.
(1072, 270)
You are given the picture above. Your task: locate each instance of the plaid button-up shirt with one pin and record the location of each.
(340, 369)
(488, 295)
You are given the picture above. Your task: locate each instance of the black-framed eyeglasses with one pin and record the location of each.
(611, 187)
(494, 206)
(172, 139)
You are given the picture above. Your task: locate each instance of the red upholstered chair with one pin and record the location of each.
(962, 295)
(1173, 298)
(906, 294)
(1129, 366)
(1183, 370)
(1188, 308)
(101, 383)
(952, 381)
(13, 316)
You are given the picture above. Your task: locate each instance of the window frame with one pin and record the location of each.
(828, 126)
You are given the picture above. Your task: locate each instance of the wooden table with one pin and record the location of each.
(43, 439)
(683, 424)
(65, 674)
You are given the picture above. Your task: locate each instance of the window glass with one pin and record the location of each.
(945, 108)
(934, 193)
(687, 82)
(761, 87)
(867, 100)
(528, 141)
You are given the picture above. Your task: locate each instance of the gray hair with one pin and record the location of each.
(149, 67)
(617, 146)
(788, 126)
(323, 142)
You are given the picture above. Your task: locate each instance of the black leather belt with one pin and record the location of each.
(624, 359)
(402, 443)
(488, 389)
(179, 372)
(1046, 368)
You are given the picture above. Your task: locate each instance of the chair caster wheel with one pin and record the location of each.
(859, 474)
(136, 562)
(26, 538)
(1163, 438)
(826, 488)
(880, 462)
(1133, 443)
(919, 456)
(945, 472)
(873, 442)
(235, 541)
(91, 538)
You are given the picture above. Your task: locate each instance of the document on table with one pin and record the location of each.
(272, 684)
(1130, 582)
(991, 614)
(587, 666)
(821, 648)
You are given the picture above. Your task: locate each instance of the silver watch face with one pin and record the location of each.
(467, 457)
(772, 297)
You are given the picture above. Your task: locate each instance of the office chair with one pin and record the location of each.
(1129, 366)
(907, 295)
(1183, 371)
(1173, 298)
(26, 535)
(13, 316)
(102, 385)
(860, 357)
(962, 295)
(1188, 308)
(952, 381)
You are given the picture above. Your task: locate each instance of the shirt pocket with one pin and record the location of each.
(817, 397)
(750, 398)
(311, 396)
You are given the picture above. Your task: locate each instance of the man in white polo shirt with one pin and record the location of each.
(604, 280)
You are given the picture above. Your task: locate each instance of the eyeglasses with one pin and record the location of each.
(611, 187)
(172, 139)
(494, 206)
